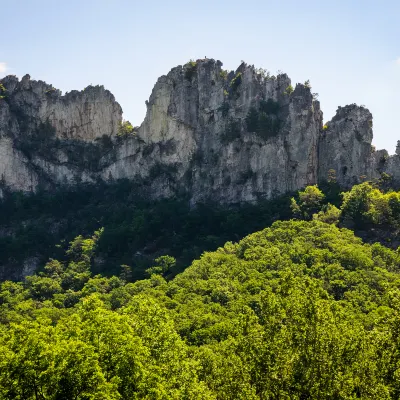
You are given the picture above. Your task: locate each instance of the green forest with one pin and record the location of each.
(307, 307)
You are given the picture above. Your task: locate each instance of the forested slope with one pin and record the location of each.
(300, 310)
(36, 227)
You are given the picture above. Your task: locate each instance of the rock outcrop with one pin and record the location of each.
(208, 133)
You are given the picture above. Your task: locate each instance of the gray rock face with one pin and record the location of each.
(208, 133)
(345, 145)
(85, 115)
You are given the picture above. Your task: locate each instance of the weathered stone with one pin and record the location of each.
(85, 115)
(345, 145)
(230, 137)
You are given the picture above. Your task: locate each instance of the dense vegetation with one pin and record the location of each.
(135, 230)
(264, 121)
(301, 310)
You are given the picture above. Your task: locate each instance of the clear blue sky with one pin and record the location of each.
(350, 50)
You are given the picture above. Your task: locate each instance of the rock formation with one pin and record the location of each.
(208, 133)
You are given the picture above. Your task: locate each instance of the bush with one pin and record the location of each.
(289, 90)
(236, 81)
(265, 124)
(223, 74)
(329, 215)
(365, 205)
(269, 107)
(268, 125)
(190, 69)
(252, 120)
(3, 91)
(309, 202)
(232, 131)
(125, 129)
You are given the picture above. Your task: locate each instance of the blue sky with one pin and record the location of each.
(349, 50)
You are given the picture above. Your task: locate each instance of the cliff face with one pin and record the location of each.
(208, 133)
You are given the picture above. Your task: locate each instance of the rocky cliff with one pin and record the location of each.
(208, 133)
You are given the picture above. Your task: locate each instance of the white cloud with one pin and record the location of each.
(3, 67)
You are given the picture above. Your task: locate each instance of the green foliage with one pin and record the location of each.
(39, 141)
(235, 82)
(223, 74)
(329, 214)
(51, 91)
(365, 205)
(269, 107)
(265, 121)
(164, 264)
(190, 69)
(125, 129)
(289, 90)
(136, 230)
(232, 131)
(3, 91)
(268, 126)
(298, 310)
(252, 119)
(309, 202)
(372, 213)
(263, 73)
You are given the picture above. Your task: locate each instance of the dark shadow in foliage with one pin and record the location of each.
(135, 230)
(264, 121)
(232, 131)
(190, 69)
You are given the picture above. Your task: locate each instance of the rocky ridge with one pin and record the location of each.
(208, 133)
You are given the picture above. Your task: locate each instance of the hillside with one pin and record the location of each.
(36, 227)
(299, 310)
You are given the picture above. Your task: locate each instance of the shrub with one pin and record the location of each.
(309, 202)
(268, 125)
(365, 205)
(236, 81)
(232, 131)
(329, 215)
(264, 122)
(223, 74)
(252, 120)
(125, 129)
(269, 107)
(190, 69)
(3, 91)
(289, 90)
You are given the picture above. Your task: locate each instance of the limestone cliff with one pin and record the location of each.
(208, 133)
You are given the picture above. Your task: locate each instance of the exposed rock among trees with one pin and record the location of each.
(208, 133)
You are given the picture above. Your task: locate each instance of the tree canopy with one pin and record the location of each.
(302, 309)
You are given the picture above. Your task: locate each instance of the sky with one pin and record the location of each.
(349, 50)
